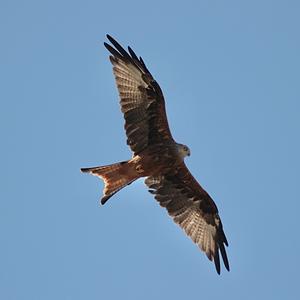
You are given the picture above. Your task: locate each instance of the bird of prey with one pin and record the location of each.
(158, 157)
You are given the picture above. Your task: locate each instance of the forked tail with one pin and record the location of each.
(115, 177)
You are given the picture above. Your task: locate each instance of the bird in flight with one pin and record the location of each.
(158, 157)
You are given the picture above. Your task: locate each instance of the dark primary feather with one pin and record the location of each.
(141, 99)
(193, 209)
(133, 55)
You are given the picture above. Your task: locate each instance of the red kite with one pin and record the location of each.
(158, 157)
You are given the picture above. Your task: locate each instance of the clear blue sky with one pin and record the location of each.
(230, 74)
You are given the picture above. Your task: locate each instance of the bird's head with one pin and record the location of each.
(183, 150)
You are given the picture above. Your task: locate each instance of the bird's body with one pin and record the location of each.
(158, 157)
(149, 162)
(174, 154)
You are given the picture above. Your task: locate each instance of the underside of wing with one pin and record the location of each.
(141, 99)
(193, 210)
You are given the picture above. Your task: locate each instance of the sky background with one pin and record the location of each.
(230, 74)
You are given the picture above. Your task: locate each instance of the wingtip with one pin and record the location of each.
(104, 199)
(112, 40)
(224, 257)
(217, 261)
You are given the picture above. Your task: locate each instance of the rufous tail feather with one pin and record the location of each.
(115, 177)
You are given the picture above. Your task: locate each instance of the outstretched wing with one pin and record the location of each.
(192, 208)
(141, 99)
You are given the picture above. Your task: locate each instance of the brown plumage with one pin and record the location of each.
(158, 157)
(115, 177)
